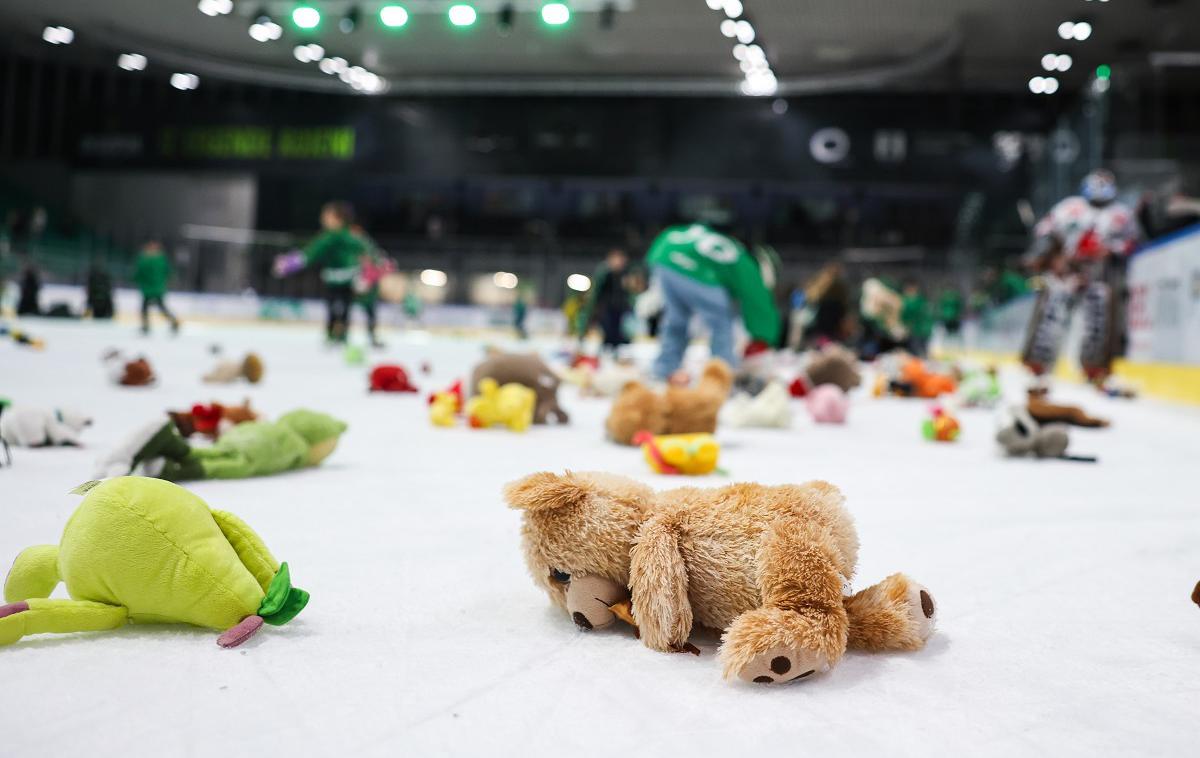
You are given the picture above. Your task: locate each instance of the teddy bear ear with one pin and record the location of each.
(545, 491)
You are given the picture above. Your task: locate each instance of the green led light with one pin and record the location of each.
(556, 14)
(462, 14)
(306, 17)
(393, 16)
(1103, 71)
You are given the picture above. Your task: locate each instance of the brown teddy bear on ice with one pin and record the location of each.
(677, 410)
(765, 564)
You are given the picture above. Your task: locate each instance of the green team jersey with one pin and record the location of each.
(151, 274)
(950, 306)
(337, 252)
(915, 315)
(712, 258)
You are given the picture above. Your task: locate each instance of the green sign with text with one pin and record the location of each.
(257, 143)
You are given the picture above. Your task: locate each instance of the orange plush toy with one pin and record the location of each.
(916, 380)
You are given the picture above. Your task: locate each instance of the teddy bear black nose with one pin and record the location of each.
(581, 620)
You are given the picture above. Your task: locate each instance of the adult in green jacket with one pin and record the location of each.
(338, 253)
(704, 272)
(151, 274)
(950, 310)
(916, 315)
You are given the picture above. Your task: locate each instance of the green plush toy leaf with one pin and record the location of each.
(277, 592)
(295, 602)
(283, 601)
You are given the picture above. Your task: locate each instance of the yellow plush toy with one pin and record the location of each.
(443, 409)
(147, 551)
(511, 405)
(689, 454)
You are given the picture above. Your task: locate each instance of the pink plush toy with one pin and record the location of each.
(828, 404)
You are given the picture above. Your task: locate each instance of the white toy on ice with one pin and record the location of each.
(768, 409)
(26, 426)
(122, 459)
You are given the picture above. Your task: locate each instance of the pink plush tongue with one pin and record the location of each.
(21, 607)
(240, 633)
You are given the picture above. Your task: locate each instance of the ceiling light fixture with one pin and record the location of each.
(58, 35)
(461, 14)
(306, 17)
(556, 14)
(185, 81)
(131, 62)
(393, 16)
(215, 7)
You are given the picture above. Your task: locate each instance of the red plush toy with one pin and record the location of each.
(799, 387)
(586, 361)
(389, 378)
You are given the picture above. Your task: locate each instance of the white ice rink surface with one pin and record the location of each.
(1065, 624)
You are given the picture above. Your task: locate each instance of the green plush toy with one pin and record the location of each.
(299, 439)
(146, 551)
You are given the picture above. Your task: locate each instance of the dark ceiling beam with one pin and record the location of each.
(205, 65)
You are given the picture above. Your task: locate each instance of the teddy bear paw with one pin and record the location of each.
(770, 645)
(783, 664)
(922, 610)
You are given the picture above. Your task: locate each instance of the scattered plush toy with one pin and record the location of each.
(1021, 435)
(677, 410)
(145, 551)
(128, 373)
(249, 368)
(22, 338)
(299, 439)
(799, 387)
(354, 355)
(528, 370)
(914, 379)
(980, 389)
(769, 409)
(833, 364)
(511, 405)
(828, 404)
(941, 426)
(766, 564)
(389, 378)
(212, 419)
(585, 361)
(445, 406)
(455, 390)
(1045, 412)
(443, 410)
(30, 426)
(749, 384)
(679, 454)
(609, 379)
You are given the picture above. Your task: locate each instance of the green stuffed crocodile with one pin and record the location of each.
(146, 551)
(299, 439)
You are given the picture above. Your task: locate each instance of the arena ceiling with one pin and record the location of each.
(638, 46)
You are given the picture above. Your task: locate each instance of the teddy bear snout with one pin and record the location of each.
(589, 598)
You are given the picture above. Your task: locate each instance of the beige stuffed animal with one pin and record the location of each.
(677, 410)
(249, 368)
(765, 564)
